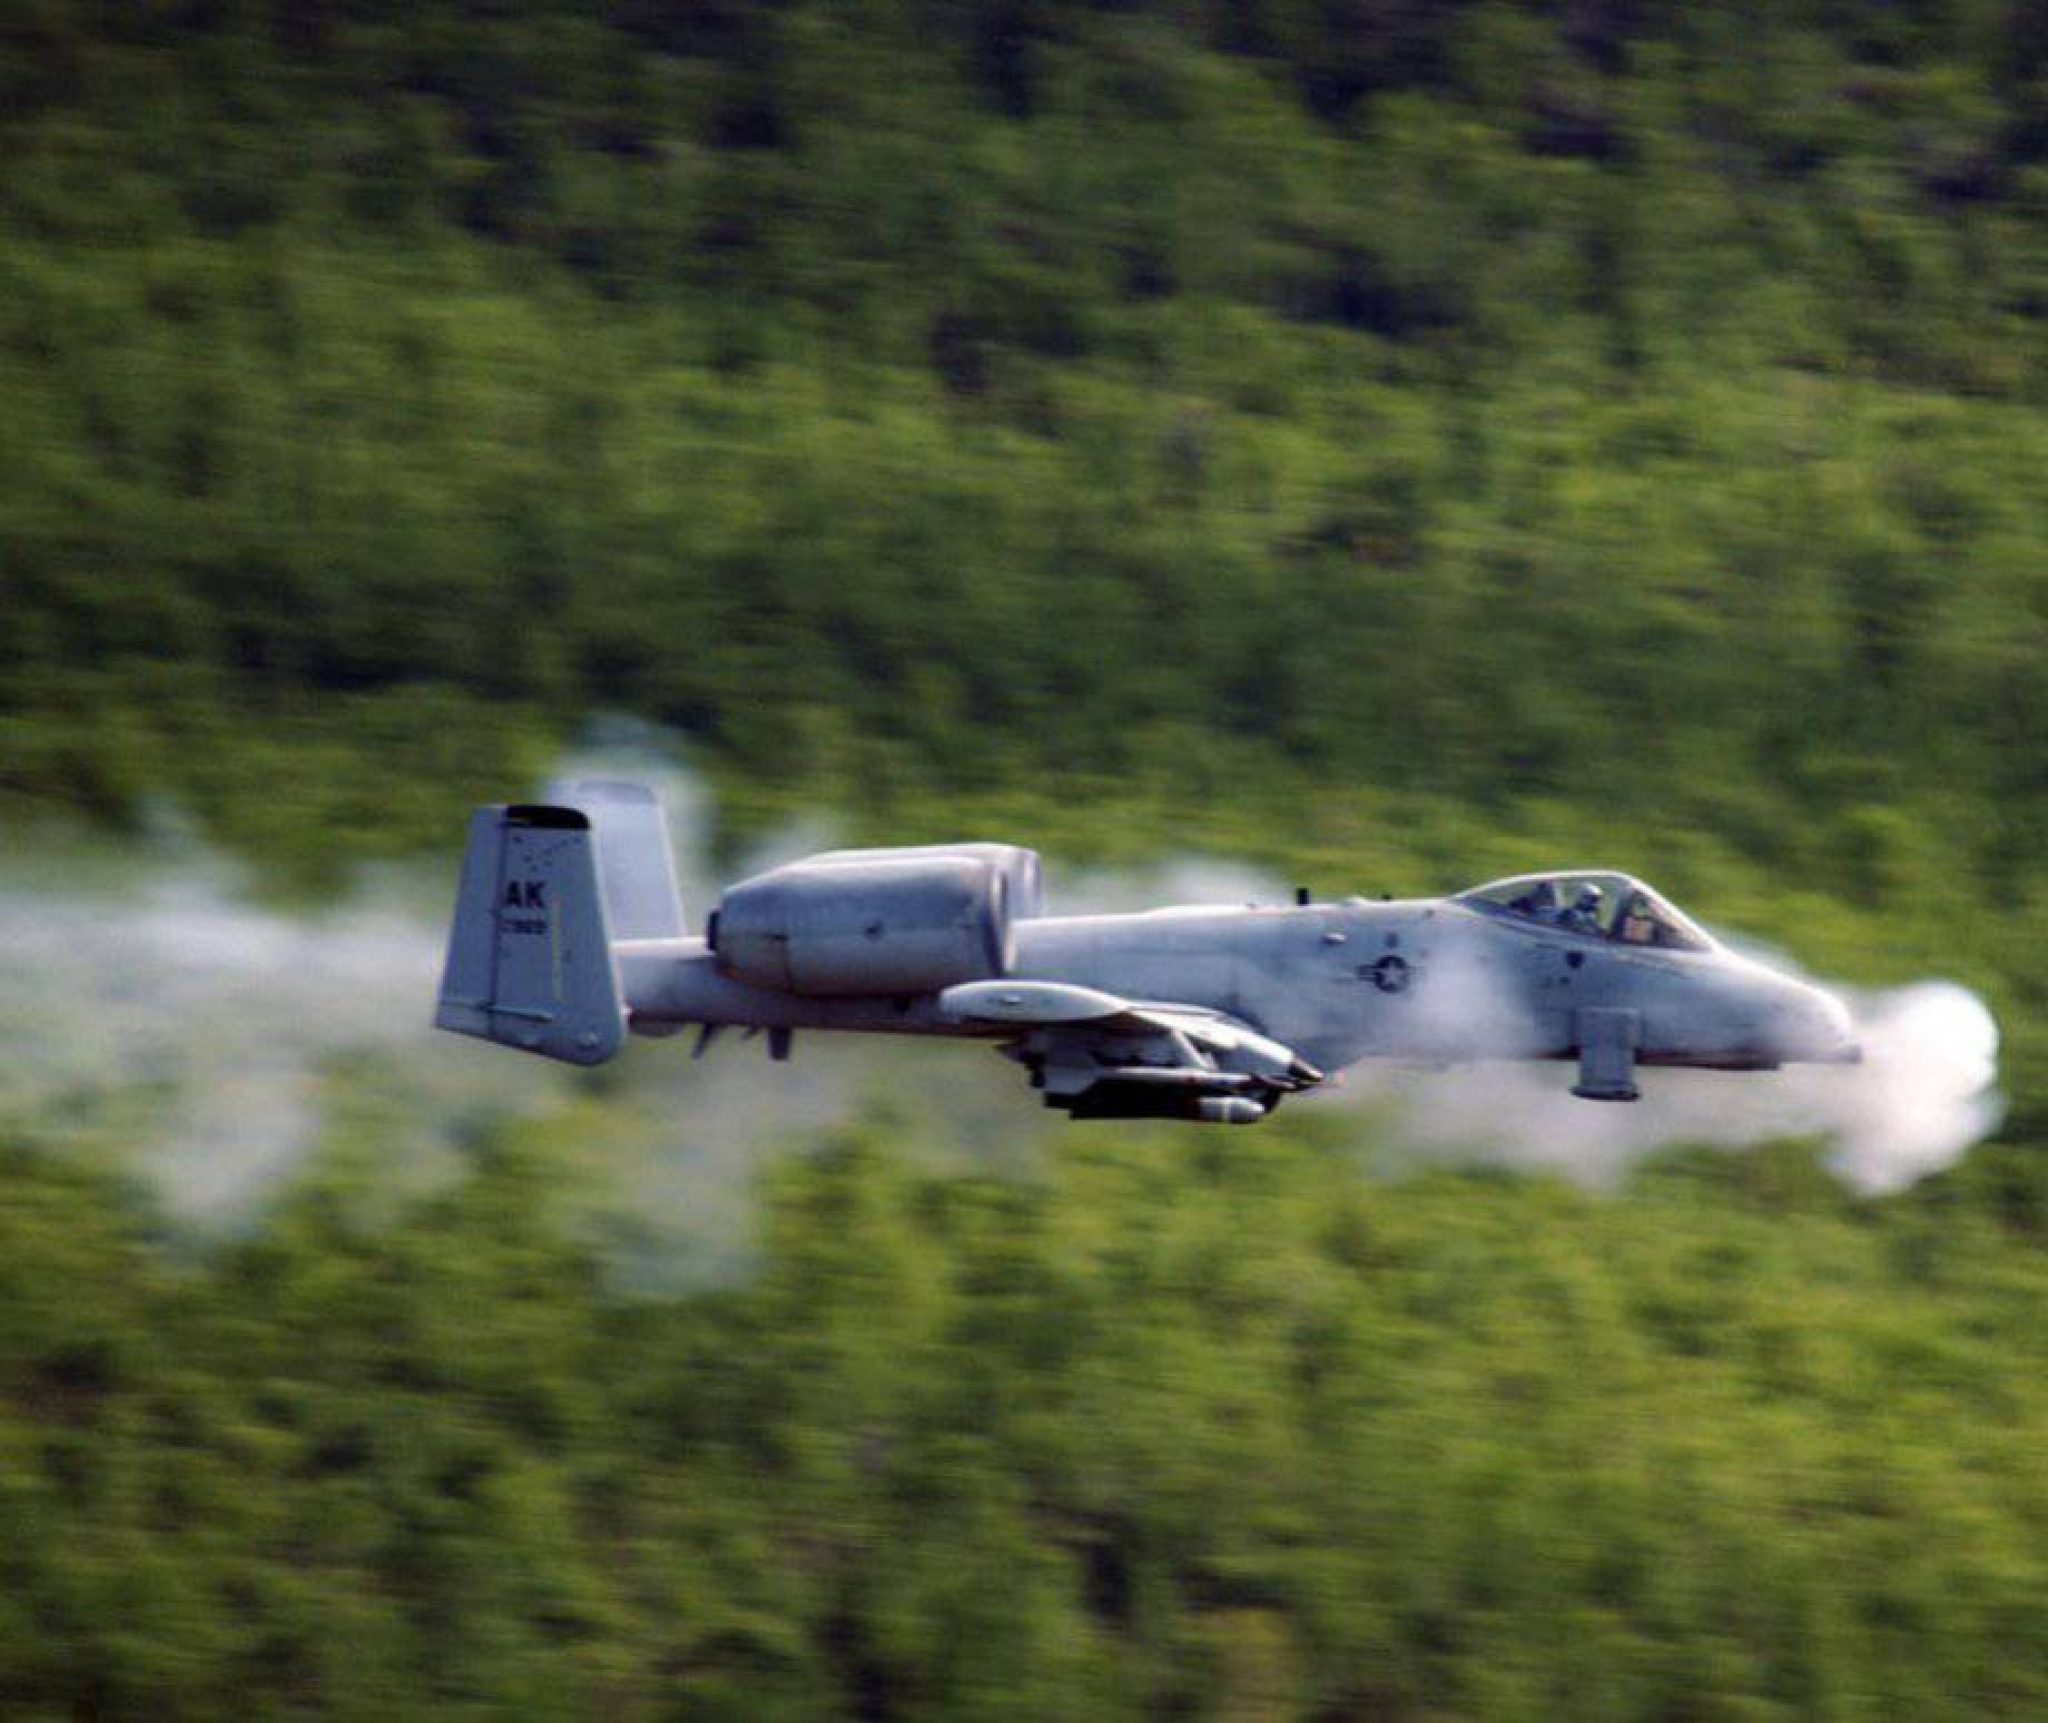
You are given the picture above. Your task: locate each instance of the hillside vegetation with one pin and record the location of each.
(1185, 1429)
(1398, 443)
(1376, 438)
(1632, 404)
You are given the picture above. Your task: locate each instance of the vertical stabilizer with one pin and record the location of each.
(636, 867)
(529, 958)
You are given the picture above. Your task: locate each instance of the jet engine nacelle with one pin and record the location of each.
(876, 921)
(1023, 874)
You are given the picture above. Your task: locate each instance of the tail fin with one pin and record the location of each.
(634, 863)
(530, 958)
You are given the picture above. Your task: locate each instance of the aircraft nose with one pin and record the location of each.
(1814, 1027)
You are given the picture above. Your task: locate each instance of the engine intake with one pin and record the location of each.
(867, 922)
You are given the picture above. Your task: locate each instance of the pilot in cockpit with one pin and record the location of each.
(1584, 914)
(1638, 924)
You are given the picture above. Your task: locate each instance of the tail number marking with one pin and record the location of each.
(524, 895)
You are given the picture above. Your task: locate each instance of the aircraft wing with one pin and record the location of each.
(1099, 1055)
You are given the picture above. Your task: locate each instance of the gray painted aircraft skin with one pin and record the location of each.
(569, 934)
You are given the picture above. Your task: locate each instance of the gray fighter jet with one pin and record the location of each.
(569, 932)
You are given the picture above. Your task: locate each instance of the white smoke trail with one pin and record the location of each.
(1924, 1094)
(178, 1015)
(154, 1004)
(153, 1010)
(1174, 880)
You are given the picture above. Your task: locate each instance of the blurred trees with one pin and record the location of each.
(1392, 438)
(1223, 1433)
(1482, 399)
(1401, 442)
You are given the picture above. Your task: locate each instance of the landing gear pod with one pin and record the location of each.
(1607, 1055)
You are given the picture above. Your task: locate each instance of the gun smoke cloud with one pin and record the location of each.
(1923, 1096)
(1925, 1093)
(209, 1041)
(158, 1015)
(173, 1014)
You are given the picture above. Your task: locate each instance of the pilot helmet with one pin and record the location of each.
(1590, 896)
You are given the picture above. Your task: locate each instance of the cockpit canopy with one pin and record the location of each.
(1599, 905)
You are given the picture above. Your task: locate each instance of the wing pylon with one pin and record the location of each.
(1095, 1055)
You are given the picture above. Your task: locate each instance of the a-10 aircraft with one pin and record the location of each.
(569, 933)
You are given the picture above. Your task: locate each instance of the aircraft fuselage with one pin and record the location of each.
(569, 933)
(1424, 980)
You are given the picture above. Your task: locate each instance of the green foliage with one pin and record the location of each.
(1460, 399)
(1395, 443)
(1229, 1429)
